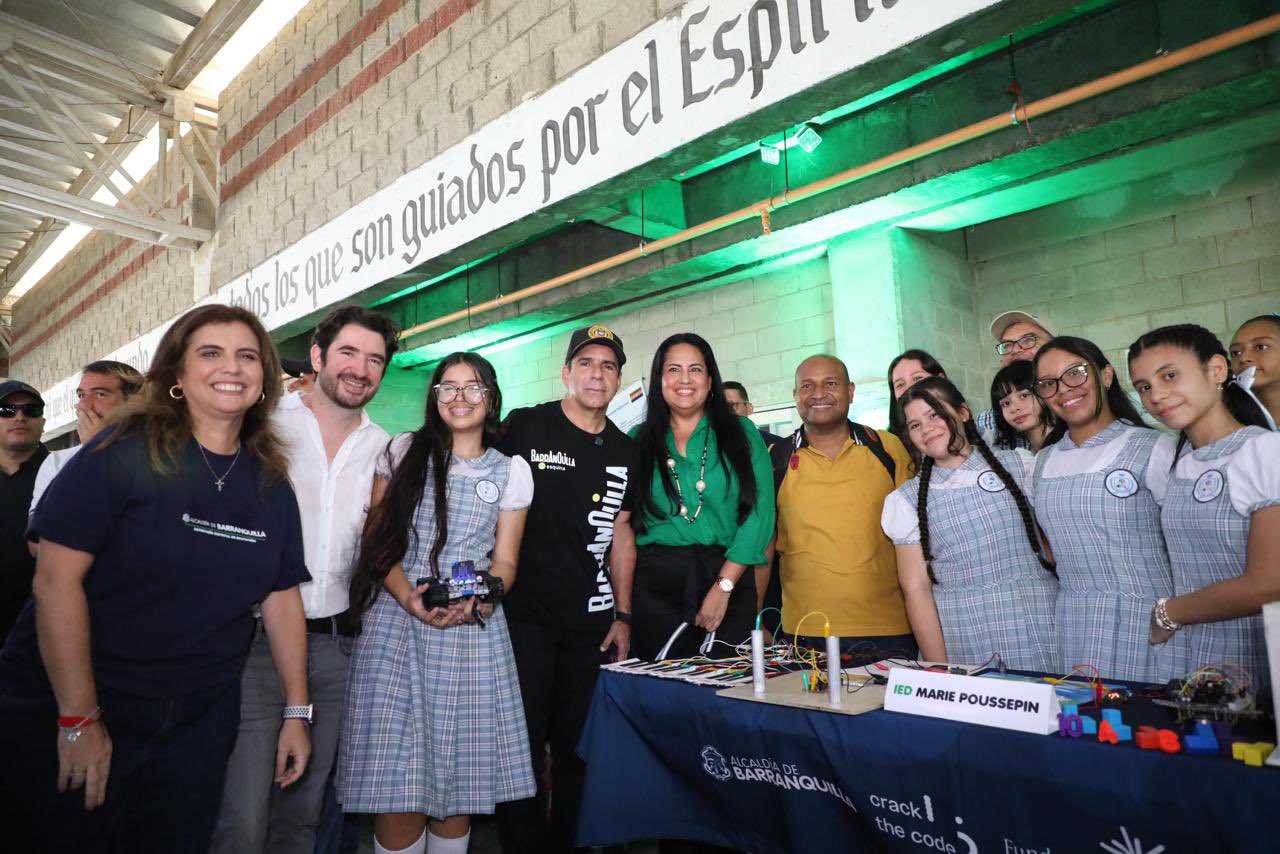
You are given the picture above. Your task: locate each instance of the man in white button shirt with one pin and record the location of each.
(331, 445)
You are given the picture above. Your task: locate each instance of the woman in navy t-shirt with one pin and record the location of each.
(121, 677)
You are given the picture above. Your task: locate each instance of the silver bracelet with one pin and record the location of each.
(302, 713)
(1162, 615)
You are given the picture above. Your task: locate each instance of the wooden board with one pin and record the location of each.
(788, 690)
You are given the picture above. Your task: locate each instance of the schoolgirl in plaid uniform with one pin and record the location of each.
(435, 724)
(983, 571)
(1221, 512)
(1097, 496)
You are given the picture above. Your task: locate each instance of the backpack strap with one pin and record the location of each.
(781, 453)
(871, 440)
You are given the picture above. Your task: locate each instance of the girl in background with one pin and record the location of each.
(1017, 412)
(972, 569)
(434, 729)
(1097, 496)
(1221, 512)
(907, 369)
(1256, 345)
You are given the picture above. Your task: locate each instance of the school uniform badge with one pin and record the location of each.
(1208, 486)
(1121, 483)
(990, 481)
(487, 491)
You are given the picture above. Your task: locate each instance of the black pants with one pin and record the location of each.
(670, 583)
(168, 757)
(557, 670)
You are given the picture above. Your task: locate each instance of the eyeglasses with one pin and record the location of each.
(448, 392)
(1074, 377)
(1026, 342)
(31, 410)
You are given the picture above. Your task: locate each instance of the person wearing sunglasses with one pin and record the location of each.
(434, 729)
(21, 455)
(1019, 336)
(1097, 496)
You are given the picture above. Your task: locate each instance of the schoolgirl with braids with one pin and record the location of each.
(1097, 496)
(976, 579)
(1221, 511)
(434, 727)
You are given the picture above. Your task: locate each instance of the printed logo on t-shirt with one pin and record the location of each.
(487, 490)
(554, 460)
(990, 481)
(224, 530)
(1121, 483)
(1208, 486)
(601, 517)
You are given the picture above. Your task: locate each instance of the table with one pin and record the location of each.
(671, 760)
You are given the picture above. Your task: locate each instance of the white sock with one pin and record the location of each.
(440, 845)
(418, 847)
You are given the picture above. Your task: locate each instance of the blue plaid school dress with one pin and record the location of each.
(992, 594)
(1208, 536)
(434, 722)
(1096, 504)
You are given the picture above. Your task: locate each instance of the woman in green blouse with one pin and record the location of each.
(707, 513)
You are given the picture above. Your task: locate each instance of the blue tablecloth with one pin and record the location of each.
(670, 760)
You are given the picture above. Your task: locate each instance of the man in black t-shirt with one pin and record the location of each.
(572, 601)
(21, 424)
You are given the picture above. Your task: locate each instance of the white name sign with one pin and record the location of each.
(675, 81)
(1022, 706)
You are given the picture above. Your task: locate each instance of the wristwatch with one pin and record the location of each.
(623, 617)
(724, 584)
(298, 712)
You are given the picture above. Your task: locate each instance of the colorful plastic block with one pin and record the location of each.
(1123, 731)
(1107, 733)
(1202, 742)
(1168, 740)
(1147, 737)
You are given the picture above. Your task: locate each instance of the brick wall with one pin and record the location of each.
(352, 94)
(1211, 260)
(760, 329)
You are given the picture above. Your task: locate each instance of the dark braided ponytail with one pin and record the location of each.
(1019, 498)
(922, 515)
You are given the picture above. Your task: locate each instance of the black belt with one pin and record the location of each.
(340, 624)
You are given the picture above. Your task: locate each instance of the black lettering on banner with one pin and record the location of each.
(323, 269)
(759, 62)
(286, 285)
(373, 242)
(569, 139)
(733, 54)
(638, 81)
(254, 298)
(688, 56)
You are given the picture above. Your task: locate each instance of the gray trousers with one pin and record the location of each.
(257, 816)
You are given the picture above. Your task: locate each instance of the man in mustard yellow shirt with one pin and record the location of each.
(832, 477)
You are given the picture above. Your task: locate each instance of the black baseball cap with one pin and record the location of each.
(597, 333)
(14, 386)
(296, 367)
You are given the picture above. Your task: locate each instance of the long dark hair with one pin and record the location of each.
(164, 422)
(731, 439)
(931, 366)
(1017, 376)
(1116, 400)
(934, 391)
(1204, 345)
(390, 524)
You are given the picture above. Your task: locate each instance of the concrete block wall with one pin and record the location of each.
(106, 292)
(759, 328)
(1209, 260)
(354, 93)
